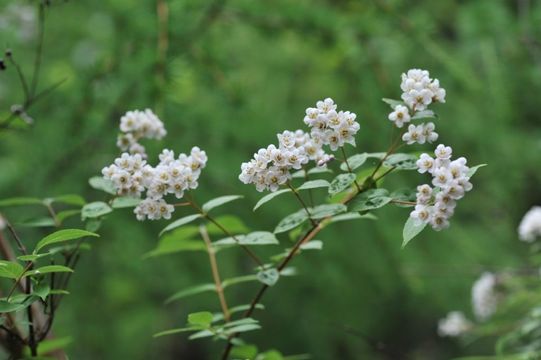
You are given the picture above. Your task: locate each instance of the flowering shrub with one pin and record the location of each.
(505, 303)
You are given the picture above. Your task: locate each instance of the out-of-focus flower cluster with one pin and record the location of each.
(132, 176)
(418, 92)
(454, 324)
(530, 226)
(331, 127)
(435, 205)
(485, 299)
(270, 167)
(136, 125)
(20, 18)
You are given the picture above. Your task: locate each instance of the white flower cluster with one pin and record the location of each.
(136, 125)
(530, 226)
(270, 166)
(131, 175)
(331, 127)
(435, 205)
(485, 296)
(419, 91)
(454, 324)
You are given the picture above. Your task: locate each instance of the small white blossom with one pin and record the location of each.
(419, 90)
(153, 210)
(136, 125)
(484, 296)
(530, 226)
(400, 115)
(414, 135)
(451, 179)
(454, 324)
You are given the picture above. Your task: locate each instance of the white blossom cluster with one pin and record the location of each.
(136, 125)
(454, 324)
(435, 205)
(530, 226)
(485, 296)
(131, 175)
(270, 166)
(419, 91)
(331, 127)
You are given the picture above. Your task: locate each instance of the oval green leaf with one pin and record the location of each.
(209, 205)
(61, 236)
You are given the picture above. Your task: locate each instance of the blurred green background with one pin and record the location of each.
(227, 77)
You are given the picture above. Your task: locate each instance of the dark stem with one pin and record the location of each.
(296, 193)
(39, 50)
(31, 334)
(349, 167)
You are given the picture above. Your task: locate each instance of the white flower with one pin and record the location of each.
(484, 296)
(530, 226)
(414, 135)
(419, 90)
(136, 125)
(429, 133)
(400, 115)
(421, 214)
(326, 105)
(443, 152)
(424, 194)
(153, 210)
(454, 324)
(425, 163)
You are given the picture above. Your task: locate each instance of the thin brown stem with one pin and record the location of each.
(225, 231)
(401, 202)
(296, 193)
(215, 272)
(349, 167)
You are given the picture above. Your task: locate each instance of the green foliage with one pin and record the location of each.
(314, 184)
(62, 236)
(354, 162)
(341, 183)
(99, 183)
(268, 277)
(291, 221)
(411, 230)
(219, 201)
(10, 269)
(254, 238)
(180, 222)
(401, 161)
(271, 196)
(95, 210)
(370, 200)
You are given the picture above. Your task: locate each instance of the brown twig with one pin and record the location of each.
(215, 273)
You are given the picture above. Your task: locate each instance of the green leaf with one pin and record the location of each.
(32, 257)
(202, 334)
(233, 224)
(48, 269)
(175, 331)
(93, 225)
(269, 197)
(99, 183)
(291, 221)
(70, 199)
(42, 290)
(181, 239)
(326, 210)
(125, 202)
(178, 223)
(369, 200)
(314, 170)
(354, 162)
(268, 277)
(191, 291)
(425, 114)
(393, 103)
(50, 345)
(20, 201)
(238, 280)
(209, 205)
(401, 161)
(7, 307)
(411, 230)
(474, 169)
(244, 352)
(312, 245)
(353, 216)
(203, 318)
(38, 222)
(95, 209)
(236, 309)
(254, 238)
(341, 183)
(10, 269)
(61, 236)
(63, 215)
(314, 184)
(243, 328)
